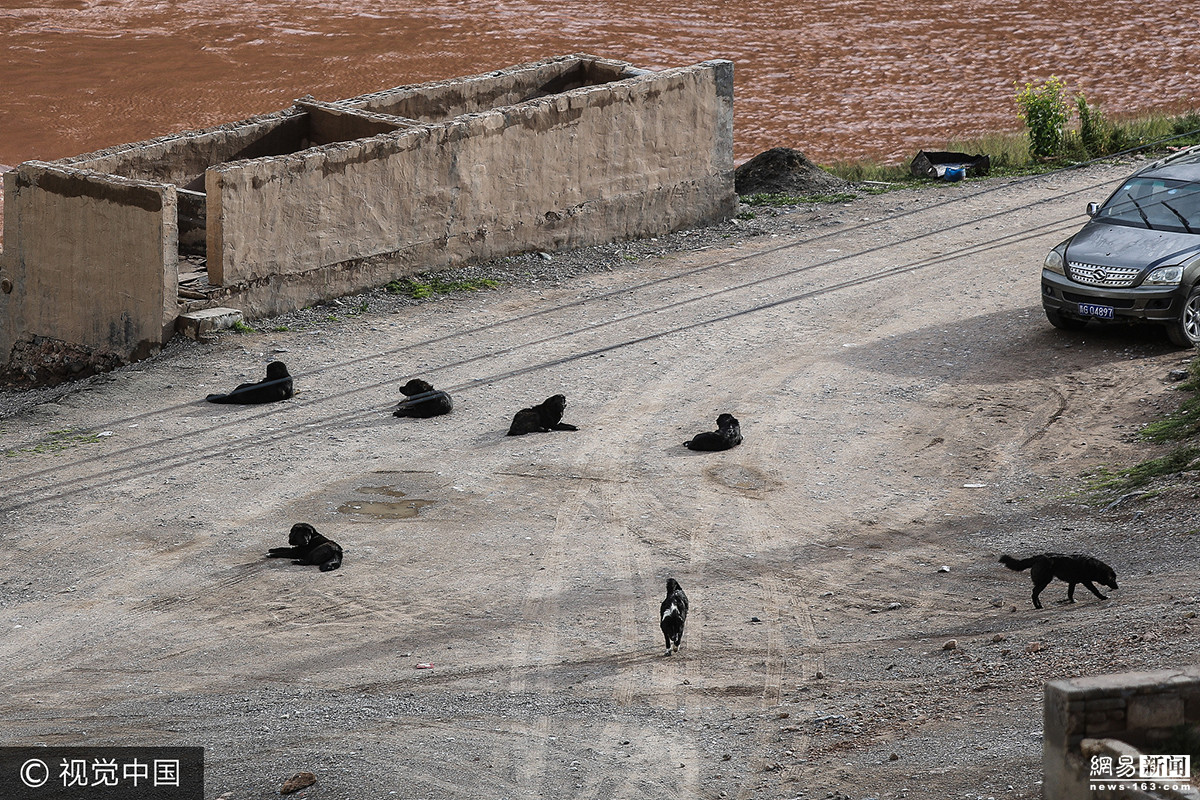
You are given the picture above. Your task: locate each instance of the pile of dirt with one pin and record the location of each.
(782, 170)
(43, 361)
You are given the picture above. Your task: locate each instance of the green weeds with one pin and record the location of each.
(424, 289)
(56, 442)
(795, 200)
(1182, 427)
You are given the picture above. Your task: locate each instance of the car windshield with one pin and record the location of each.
(1155, 203)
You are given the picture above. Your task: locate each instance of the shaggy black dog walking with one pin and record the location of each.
(309, 547)
(276, 386)
(672, 614)
(727, 435)
(422, 400)
(1073, 569)
(545, 416)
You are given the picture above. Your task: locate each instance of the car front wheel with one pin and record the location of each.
(1185, 331)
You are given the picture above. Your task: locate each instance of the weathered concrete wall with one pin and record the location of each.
(440, 101)
(326, 199)
(1139, 708)
(86, 256)
(635, 157)
(182, 158)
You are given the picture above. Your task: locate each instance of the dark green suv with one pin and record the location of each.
(1137, 258)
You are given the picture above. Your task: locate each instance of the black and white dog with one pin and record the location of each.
(672, 614)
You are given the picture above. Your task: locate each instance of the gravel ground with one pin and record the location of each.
(905, 407)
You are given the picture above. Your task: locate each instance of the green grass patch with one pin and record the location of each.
(423, 289)
(241, 327)
(1181, 427)
(1182, 459)
(56, 442)
(858, 171)
(1184, 423)
(777, 199)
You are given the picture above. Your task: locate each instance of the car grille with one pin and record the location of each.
(1099, 301)
(1095, 275)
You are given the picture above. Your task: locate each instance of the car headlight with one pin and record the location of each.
(1054, 260)
(1164, 276)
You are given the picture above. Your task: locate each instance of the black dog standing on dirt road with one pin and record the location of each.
(1073, 569)
(309, 547)
(727, 435)
(276, 386)
(672, 614)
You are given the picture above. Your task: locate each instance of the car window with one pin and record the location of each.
(1157, 204)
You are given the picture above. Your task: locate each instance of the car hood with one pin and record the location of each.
(1110, 245)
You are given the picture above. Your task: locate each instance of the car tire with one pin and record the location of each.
(1064, 323)
(1185, 331)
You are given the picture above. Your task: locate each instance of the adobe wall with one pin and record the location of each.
(84, 262)
(631, 158)
(328, 199)
(440, 101)
(1139, 708)
(182, 158)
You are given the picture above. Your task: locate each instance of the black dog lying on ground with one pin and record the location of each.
(1073, 569)
(276, 386)
(727, 435)
(309, 547)
(545, 416)
(422, 400)
(672, 614)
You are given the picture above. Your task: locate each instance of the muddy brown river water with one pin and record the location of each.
(839, 79)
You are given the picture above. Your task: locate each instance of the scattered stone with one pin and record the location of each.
(1177, 375)
(943, 568)
(1033, 647)
(950, 645)
(755, 620)
(893, 606)
(301, 780)
(894, 757)
(999, 637)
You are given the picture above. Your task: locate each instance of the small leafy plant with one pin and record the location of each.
(1044, 109)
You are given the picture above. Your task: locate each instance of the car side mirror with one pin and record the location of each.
(1093, 209)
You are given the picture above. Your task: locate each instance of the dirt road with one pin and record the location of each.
(905, 407)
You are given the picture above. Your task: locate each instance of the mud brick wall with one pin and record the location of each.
(635, 157)
(1140, 708)
(327, 199)
(85, 260)
(182, 158)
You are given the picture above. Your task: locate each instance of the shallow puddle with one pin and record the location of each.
(379, 509)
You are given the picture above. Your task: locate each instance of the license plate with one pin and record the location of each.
(1092, 310)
